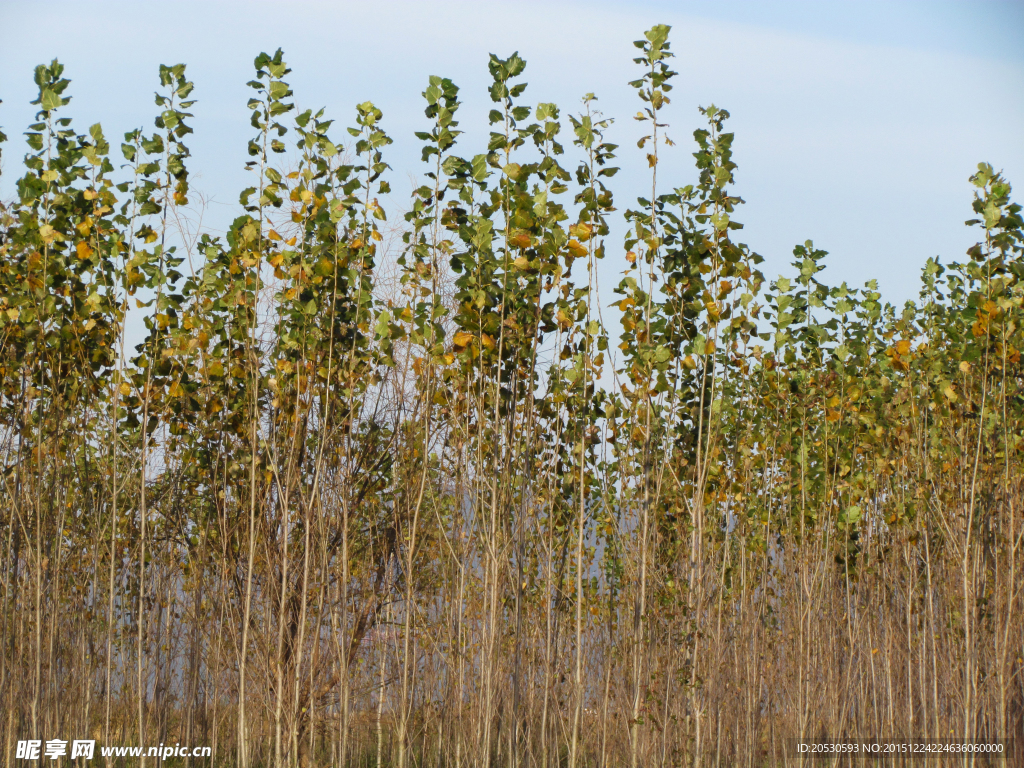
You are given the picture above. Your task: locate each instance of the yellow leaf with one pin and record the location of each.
(902, 347)
(462, 339)
(83, 249)
(521, 263)
(965, 367)
(577, 250)
(950, 393)
(274, 236)
(522, 240)
(582, 232)
(487, 341)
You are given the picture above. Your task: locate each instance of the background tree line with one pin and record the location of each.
(375, 494)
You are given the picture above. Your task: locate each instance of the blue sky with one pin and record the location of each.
(857, 123)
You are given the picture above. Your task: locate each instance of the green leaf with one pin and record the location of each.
(992, 215)
(658, 34)
(49, 100)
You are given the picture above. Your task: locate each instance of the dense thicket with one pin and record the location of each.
(352, 504)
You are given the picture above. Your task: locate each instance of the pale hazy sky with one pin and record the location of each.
(857, 123)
